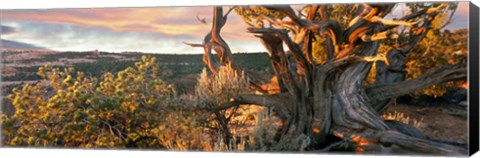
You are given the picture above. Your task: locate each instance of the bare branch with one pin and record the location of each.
(308, 35)
(432, 77)
(281, 24)
(279, 61)
(323, 12)
(415, 15)
(388, 138)
(194, 44)
(295, 48)
(287, 10)
(229, 10)
(420, 145)
(213, 41)
(394, 22)
(449, 18)
(282, 103)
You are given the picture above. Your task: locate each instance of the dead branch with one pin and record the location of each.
(432, 77)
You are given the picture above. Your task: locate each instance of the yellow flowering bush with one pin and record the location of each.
(70, 109)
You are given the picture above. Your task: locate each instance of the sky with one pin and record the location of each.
(141, 29)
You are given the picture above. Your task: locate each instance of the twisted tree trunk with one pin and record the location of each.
(332, 99)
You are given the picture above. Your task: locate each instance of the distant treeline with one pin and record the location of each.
(173, 65)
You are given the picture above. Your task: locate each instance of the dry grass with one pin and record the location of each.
(220, 88)
(253, 128)
(401, 117)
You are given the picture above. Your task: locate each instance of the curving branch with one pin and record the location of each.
(279, 23)
(392, 70)
(279, 61)
(317, 99)
(450, 17)
(432, 77)
(308, 36)
(221, 47)
(282, 103)
(302, 23)
(214, 41)
(416, 15)
(400, 136)
(290, 13)
(420, 145)
(293, 47)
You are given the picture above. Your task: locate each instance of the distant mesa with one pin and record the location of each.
(5, 30)
(7, 45)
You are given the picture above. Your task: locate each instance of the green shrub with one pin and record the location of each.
(68, 109)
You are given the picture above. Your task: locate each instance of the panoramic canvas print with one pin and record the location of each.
(366, 78)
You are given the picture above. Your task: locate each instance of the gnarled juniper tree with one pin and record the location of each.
(330, 98)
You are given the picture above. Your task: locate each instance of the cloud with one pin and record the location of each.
(167, 20)
(14, 45)
(5, 30)
(65, 37)
(73, 37)
(159, 29)
(140, 29)
(463, 9)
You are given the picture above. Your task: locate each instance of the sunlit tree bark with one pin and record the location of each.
(332, 99)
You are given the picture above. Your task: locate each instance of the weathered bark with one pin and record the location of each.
(323, 92)
(332, 99)
(406, 137)
(432, 77)
(393, 70)
(420, 145)
(279, 61)
(214, 41)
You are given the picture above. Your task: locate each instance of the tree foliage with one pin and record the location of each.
(437, 49)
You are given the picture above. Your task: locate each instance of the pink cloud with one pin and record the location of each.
(151, 19)
(165, 20)
(463, 9)
(169, 22)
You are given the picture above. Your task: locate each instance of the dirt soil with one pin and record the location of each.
(443, 122)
